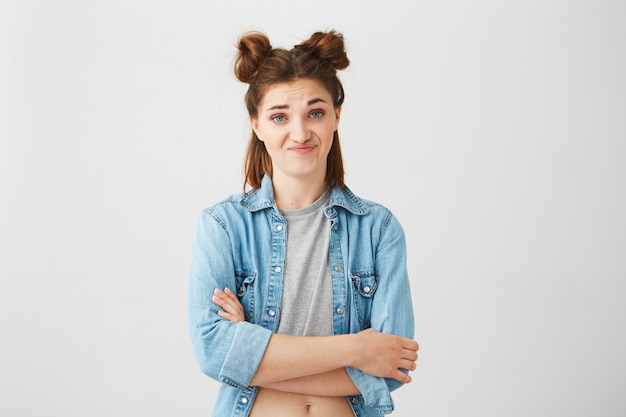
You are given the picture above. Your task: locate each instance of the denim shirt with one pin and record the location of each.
(240, 243)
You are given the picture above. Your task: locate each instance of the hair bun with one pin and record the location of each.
(253, 47)
(329, 46)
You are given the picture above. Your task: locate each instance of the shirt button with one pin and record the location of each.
(278, 269)
(336, 227)
(279, 228)
(340, 310)
(271, 313)
(366, 289)
(355, 400)
(337, 267)
(244, 400)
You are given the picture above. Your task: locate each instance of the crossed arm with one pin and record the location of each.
(323, 372)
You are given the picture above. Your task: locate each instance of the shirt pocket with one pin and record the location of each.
(364, 284)
(245, 291)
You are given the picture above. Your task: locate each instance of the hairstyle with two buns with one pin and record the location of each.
(262, 66)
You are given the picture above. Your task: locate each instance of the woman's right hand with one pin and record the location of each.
(384, 355)
(228, 301)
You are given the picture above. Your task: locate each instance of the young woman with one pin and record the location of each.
(299, 299)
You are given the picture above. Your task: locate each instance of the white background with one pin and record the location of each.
(495, 131)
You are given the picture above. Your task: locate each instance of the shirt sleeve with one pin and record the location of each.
(392, 310)
(226, 351)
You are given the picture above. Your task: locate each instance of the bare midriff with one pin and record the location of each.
(271, 403)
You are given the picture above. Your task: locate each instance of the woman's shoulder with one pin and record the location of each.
(344, 196)
(224, 207)
(374, 210)
(229, 200)
(240, 204)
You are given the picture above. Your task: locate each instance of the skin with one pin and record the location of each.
(385, 355)
(296, 122)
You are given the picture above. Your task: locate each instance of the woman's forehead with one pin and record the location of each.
(302, 91)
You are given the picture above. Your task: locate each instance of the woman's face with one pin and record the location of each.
(296, 122)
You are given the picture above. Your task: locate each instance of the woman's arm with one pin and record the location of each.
(329, 384)
(332, 383)
(325, 356)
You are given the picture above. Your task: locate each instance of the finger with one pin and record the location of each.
(411, 345)
(402, 377)
(227, 305)
(218, 298)
(223, 295)
(219, 294)
(410, 355)
(226, 292)
(232, 297)
(228, 316)
(408, 365)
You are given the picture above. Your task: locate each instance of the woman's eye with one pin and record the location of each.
(279, 118)
(317, 114)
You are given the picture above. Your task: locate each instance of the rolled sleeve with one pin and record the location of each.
(245, 354)
(373, 389)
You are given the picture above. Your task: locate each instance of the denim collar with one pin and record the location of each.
(263, 198)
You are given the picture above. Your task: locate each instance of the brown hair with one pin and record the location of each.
(262, 66)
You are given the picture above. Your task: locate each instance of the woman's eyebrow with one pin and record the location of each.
(286, 106)
(278, 107)
(316, 100)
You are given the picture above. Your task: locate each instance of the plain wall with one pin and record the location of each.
(494, 130)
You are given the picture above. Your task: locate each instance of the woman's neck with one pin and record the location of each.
(293, 193)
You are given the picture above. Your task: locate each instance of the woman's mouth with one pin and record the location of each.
(302, 149)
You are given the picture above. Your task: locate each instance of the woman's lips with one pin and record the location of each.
(302, 149)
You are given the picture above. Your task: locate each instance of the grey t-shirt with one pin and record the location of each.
(307, 299)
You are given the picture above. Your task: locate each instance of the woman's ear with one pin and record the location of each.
(337, 117)
(254, 122)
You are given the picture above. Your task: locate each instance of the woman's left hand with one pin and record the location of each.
(229, 303)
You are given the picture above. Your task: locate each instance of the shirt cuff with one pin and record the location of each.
(245, 354)
(373, 389)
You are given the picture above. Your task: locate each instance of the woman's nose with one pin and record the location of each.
(300, 132)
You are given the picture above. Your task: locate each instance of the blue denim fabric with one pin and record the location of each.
(240, 244)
